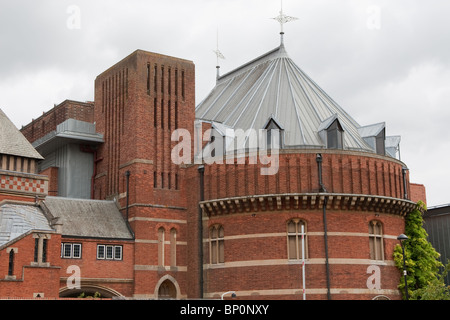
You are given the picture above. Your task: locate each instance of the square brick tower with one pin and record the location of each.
(139, 102)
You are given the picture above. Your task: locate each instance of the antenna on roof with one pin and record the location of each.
(283, 19)
(218, 54)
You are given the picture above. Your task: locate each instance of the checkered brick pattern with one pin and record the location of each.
(11, 183)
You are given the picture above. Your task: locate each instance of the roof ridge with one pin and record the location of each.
(261, 59)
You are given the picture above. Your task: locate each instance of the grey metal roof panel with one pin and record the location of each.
(17, 219)
(88, 218)
(274, 85)
(13, 142)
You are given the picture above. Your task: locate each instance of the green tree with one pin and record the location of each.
(421, 259)
(436, 289)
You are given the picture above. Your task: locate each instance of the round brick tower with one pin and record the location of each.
(317, 218)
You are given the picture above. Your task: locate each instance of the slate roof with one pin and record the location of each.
(18, 219)
(88, 218)
(13, 142)
(273, 86)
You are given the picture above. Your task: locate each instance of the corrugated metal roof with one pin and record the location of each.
(274, 86)
(13, 142)
(88, 218)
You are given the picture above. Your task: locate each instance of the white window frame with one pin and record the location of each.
(110, 252)
(71, 254)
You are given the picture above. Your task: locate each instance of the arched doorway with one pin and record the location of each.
(90, 291)
(167, 290)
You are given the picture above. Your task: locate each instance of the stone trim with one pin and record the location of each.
(307, 201)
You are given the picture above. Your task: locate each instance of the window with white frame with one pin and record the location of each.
(109, 252)
(71, 250)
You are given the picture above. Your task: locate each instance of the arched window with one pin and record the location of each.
(161, 232)
(376, 240)
(173, 247)
(216, 244)
(296, 239)
(11, 263)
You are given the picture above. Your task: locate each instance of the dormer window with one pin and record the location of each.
(380, 142)
(274, 134)
(375, 136)
(332, 133)
(335, 135)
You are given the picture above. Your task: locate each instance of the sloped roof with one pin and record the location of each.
(18, 219)
(88, 218)
(274, 85)
(13, 142)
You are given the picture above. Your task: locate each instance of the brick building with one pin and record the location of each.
(275, 188)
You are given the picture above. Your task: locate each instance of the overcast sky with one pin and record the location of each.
(382, 61)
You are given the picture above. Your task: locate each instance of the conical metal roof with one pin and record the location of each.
(273, 86)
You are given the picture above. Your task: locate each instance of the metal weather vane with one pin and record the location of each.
(219, 54)
(283, 19)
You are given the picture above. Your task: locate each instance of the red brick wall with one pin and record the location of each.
(343, 172)
(68, 109)
(256, 242)
(30, 279)
(348, 246)
(418, 193)
(116, 274)
(137, 121)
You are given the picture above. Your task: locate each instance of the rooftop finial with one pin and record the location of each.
(283, 19)
(218, 54)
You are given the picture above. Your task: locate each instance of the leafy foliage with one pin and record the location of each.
(421, 259)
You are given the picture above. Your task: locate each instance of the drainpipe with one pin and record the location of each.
(325, 233)
(201, 170)
(127, 174)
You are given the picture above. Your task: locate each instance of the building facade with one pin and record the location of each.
(267, 187)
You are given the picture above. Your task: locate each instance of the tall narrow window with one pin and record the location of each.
(155, 177)
(162, 113)
(155, 74)
(176, 114)
(169, 181)
(155, 113)
(376, 240)
(216, 244)
(173, 247)
(169, 115)
(148, 78)
(36, 249)
(162, 79)
(162, 180)
(176, 82)
(295, 237)
(161, 247)
(183, 86)
(44, 250)
(170, 81)
(11, 263)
